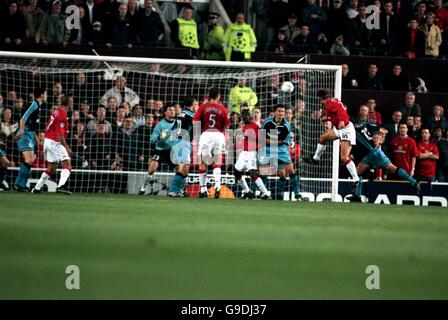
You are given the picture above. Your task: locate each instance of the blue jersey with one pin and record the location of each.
(364, 134)
(166, 142)
(185, 121)
(31, 117)
(284, 130)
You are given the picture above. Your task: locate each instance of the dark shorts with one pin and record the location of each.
(163, 156)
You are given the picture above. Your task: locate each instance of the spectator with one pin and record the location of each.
(239, 40)
(277, 17)
(33, 17)
(363, 115)
(138, 117)
(425, 168)
(77, 142)
(56, 94)
(82, 35)
(373, 80)
(184, 31)
(442, 164)
(260, 9)
(337, 21)
(338, 47)
(304, 42)
(410, 124)
(121, 93)
(433, 36)
(53, 29)
(280, 44)
(85, 114)
(127, 146)
(403, 151)
(417, 128)
(291, 30)
(396, 81)
(122, 30)
(352, 9)
(441, 20)
(118, 121)
(413, 42)
(97, 34)
(374, 115)
(348, 81)
(256, 116)
(322, 44)
(386, 35)
(93, 12)
(213, 46)
(437, 119)
(360, 37)
(420, 13)
(80, 90)
(100, 148)
(111, 108)
(242, 94)
(100, 117)
(149, 26)
(393, 127)
(11, 97)
(8, 125)
(110, 11)
(14, 25)
(314, 17)
(410, 107)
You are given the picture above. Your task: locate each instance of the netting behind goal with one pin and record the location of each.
(113, 156)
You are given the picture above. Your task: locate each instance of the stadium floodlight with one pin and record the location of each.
(170, 81)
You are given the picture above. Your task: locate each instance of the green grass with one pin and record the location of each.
(158, 248)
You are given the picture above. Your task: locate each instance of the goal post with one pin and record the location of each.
(118, 163)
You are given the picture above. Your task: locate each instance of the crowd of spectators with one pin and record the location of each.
(405, 28)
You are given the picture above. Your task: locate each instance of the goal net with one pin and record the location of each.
(111, 152)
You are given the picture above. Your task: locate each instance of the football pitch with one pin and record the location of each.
(130, 247)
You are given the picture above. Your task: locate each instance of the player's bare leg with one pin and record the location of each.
(149, 179)
(4, 164)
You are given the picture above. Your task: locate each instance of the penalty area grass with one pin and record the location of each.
(130, 247)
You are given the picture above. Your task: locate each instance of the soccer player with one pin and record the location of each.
(26, 137)
(283, 139)
(213, 118)
(182, 150)
(56, 149)
(161, 137)
(371, 137)
(336, 112)
(4, 164)
(247, 160)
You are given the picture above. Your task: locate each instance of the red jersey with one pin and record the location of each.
(375, 116)
(402, 151)
(426, 167)
(250, 137)
(57, 124)
(335, 111)
(212, 116)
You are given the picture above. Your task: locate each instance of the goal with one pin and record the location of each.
(117, 160)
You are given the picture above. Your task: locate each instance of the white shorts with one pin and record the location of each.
(347, 134)
(247, 160)
(54, 151)
(211, 143)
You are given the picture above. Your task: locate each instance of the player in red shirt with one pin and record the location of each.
(403, 150)
(56, 149)
(213, 118)
(247, 159)
(336, 113)
(426, 161)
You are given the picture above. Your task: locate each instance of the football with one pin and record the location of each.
(287, 87)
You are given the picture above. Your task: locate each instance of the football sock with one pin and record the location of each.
(43, 178)
(405, 176)
(295, 186)
(260, 185)
(64, 177)
(176, 183)
(320, 148)
(358, 190)
(203, 181)
(280, 188)
(350, 165)
(24, 173)
(146, 181)
(243, 184)
(217, 176)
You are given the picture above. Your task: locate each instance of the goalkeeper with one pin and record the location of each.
(371, 137)
(161, 138)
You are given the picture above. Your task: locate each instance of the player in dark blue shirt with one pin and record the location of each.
(182, 150)
(26, 137)
(278, 145)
